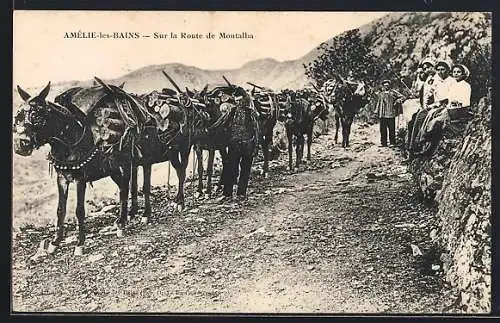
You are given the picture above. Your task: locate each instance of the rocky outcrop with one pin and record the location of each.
(458, 179)
(429, 172)
(464, 213)
(412, 36)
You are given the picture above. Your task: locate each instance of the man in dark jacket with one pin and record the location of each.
(386, 111)
(242, 145)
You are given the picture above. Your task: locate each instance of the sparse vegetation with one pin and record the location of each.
(456, 239)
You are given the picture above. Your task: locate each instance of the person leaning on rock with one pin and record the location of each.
(422, 89)
(460, 91)
(385, 108)
(438, 113)
(441, 84)
(459, 109)
(423, 83)
(440, 92)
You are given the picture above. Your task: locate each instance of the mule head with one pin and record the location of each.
(203, 92)
(202, 95)
(30, 122)
(241, 97)
(191, 94)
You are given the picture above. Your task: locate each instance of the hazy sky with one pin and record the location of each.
(42, 53)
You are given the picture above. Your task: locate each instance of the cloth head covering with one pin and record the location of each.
(426, 60)
(444, 63)
(464, 69)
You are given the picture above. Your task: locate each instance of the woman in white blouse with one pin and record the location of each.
(442, 82)
(460, 91)
(438, 116)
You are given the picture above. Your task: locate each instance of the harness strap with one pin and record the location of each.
(124, 108)
(222, 119)
(78, 141)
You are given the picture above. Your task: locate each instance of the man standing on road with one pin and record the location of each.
(385, 108)
(242, 145)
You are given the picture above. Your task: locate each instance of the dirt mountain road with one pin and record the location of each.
(335, 237)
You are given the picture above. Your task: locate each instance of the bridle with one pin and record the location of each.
(33, 116)
(87, 156)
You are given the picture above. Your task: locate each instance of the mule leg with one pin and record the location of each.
(225, 158)
(309, 141)
(289, 136)
(199, 156)
(122, 180)
(267, 144)
(80, 215)
(133, 192)
(337, 126)
(210, 170)
(180, 166)
(146, 189)
(344, 134)
(348, 133)
(62, 187)
(265, 150)
(299, 150)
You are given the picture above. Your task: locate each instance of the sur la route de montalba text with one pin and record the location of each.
(156, 35)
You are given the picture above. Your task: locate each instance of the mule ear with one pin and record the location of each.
(43, 94)
(103, 84)
(24, 95)
(121, 85)
(204, 91)
(189, 92)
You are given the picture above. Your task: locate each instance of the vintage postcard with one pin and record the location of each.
(251, 162)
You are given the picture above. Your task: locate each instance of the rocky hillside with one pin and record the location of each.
(464, 214)
(463, 37)
(457, 178)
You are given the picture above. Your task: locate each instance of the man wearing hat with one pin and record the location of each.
(385, 108)
(242, 145)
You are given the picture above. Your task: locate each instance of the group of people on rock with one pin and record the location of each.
(444, 95)
(442, 84)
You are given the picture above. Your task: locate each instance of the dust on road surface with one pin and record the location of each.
(334, 237)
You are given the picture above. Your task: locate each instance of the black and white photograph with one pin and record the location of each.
(262, 162)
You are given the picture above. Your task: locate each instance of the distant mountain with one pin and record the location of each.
(404, 38)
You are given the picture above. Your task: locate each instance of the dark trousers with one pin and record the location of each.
(387, 124)
(239, 164)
